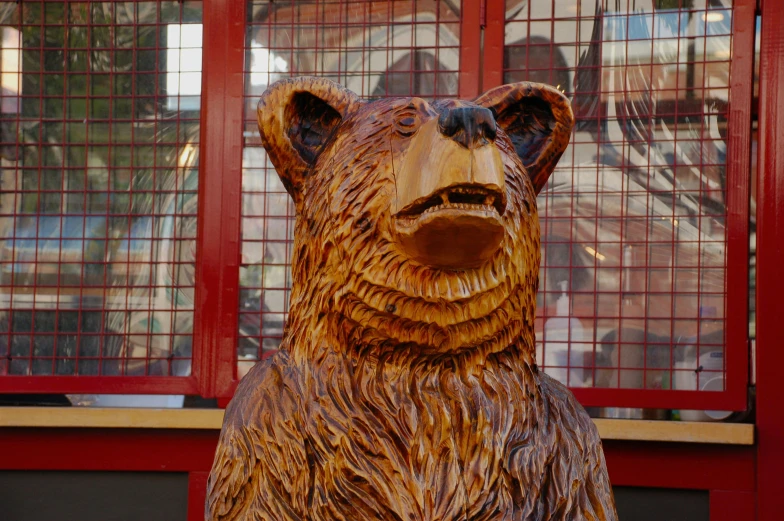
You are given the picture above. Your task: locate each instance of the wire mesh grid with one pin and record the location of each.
(632, 292)
(376, 49)
(99, 134)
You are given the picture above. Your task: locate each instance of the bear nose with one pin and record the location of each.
(472, 127)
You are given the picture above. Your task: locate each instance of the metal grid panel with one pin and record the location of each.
(376, 49)
(634, 220)
(100, 129)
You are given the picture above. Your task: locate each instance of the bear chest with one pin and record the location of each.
(371, 467)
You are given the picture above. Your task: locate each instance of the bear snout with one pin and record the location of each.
(450, 191)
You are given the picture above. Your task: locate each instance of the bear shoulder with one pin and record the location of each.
(562, 407)
(261, 454)
(578, 479)
(272, 384)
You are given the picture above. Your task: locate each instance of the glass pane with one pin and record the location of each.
(633, 220)
(376, 49)
(99, 120)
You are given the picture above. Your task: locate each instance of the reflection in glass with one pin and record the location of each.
(634, 218)
(98, 167)
(376, 49)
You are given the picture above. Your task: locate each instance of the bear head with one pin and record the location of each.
(416, 225)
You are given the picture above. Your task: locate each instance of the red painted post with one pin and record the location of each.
(470, 49)
(738, 192)
(770, 252)
(218, 255)
(197, 493)
(493, 51)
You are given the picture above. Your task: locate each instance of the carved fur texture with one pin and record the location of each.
(402, 391)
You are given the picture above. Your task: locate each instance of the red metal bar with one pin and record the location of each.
(100, 384)
(680, 465)
(218, 256)
(738, 193)
(770, 283)
(493, 50)
(108, 449)
(641, 464)
(731, 505)
(470, 49)
(197, 493)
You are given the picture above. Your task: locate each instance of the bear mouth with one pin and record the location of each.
(461, 198)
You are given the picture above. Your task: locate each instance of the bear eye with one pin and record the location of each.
(407, 122)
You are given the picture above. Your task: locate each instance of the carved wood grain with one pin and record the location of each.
(406, 386)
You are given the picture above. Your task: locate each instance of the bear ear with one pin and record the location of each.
(538, 119)
(297, 118)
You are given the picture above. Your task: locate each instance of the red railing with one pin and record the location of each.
(645, 220)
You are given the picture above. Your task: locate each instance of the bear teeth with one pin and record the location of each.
(463, 190)
(456, 206)
(460, 206)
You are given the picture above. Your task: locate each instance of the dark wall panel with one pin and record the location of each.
(163, 496)
(656, 504)
(93, 496)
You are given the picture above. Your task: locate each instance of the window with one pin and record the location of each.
(633, 289)
(375, 49)
(102, 182)
(100, 128)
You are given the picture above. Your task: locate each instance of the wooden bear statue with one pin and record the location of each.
(406, 387)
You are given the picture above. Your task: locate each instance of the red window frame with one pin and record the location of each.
(195, 384)
(735, 395)
(216, 313)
